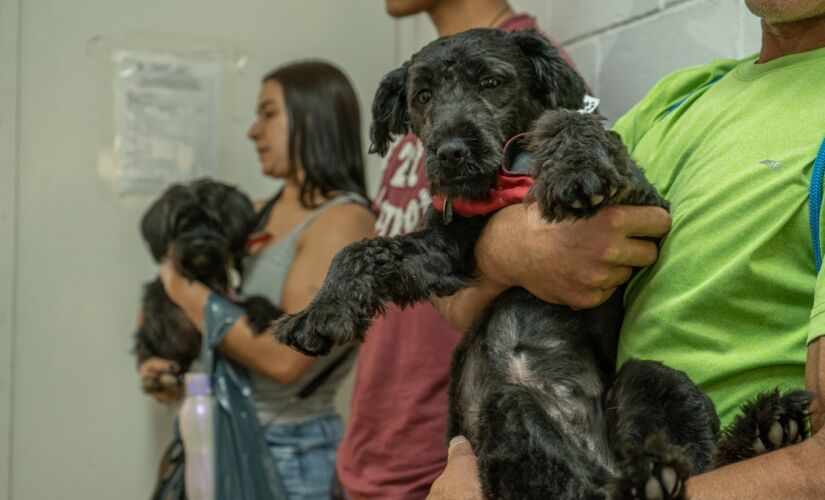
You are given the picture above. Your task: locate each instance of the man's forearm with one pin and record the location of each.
(794, 472)
(463, 307)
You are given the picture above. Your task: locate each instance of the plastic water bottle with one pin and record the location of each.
(198, 438)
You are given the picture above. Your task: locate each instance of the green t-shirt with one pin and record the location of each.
(731, 299)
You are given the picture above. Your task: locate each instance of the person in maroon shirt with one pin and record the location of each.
(394, 444)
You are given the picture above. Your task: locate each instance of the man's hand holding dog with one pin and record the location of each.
(459, 481)
(578, 263)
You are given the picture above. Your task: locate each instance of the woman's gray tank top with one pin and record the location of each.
(265, 274)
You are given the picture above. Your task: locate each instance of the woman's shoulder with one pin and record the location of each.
(349, 210)
(345, 218)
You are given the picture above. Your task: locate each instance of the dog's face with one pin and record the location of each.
(464, 96)
(203, 226)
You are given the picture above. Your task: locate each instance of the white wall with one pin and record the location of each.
(73, 423)
(623, 47)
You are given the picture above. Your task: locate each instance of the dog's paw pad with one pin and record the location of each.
(665, 484)
(793, 431)
(769, 422)
(782, 420)
(656, 471)
(575, 191)
(782, 430)
(662, 484)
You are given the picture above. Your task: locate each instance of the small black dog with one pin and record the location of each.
(533, 384)
(203, 227)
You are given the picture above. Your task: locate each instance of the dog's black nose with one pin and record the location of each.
(452, 152)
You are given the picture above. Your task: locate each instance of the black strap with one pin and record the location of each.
(263, 213)
(313, 385)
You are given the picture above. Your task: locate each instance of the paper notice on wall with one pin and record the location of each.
(166, 120)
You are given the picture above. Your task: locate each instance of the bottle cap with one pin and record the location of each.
(197, 384)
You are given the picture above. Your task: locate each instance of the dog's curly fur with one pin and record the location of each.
(533, 385)
(203, 228)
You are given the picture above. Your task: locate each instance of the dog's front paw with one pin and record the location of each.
(656, 471)
(318, 327)
(769, 422)
(301, 333)
(575, 190)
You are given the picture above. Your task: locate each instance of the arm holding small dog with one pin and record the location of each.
(576, 263)
(337, 227)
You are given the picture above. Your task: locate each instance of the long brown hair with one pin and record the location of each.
(324, 128)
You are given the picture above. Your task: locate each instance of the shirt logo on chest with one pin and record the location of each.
(772, 164)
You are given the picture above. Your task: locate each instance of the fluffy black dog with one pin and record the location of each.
(203, 227)
(533, 384)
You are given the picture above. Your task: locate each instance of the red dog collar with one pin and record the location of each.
(258, 238)
(511, 188)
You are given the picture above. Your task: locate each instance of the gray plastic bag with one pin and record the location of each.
(245, 468)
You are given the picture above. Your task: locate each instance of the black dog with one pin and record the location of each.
(203, 227)
(533, 384)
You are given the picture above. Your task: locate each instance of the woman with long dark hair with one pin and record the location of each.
(307, 132)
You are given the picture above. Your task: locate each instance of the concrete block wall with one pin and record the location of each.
(623, 47)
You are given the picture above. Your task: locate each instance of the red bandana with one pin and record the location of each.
(510, 188)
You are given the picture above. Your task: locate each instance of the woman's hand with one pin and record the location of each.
(459, 481)
(152, 370)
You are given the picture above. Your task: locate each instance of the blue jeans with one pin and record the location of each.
(305, 455)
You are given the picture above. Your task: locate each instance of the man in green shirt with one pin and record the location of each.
(734, 298)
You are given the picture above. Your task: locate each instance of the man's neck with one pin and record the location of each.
(457, 16)
(784, 39)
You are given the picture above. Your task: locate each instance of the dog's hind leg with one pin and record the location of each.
(366, 275)
(769, 422)
(524, 455)
(663, 427)
(654, 470)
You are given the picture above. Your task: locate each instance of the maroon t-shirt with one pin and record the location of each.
(394, 446)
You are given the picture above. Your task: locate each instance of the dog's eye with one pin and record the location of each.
(490, 83)
(423, 97)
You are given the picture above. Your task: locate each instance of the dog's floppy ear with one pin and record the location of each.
(556, 79)
(238, 217)
(227, 206)
(389, 110)
(154, 226)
